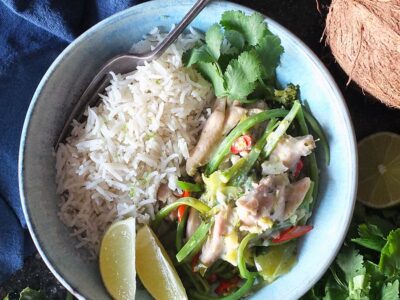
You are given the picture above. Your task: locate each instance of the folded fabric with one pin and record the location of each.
(32, 34)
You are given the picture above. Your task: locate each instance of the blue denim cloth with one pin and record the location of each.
(32, 34)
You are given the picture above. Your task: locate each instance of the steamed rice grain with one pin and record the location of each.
(137, 138)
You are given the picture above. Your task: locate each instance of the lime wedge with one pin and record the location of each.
(379, 170)
(278, 260)
(155, 268)
(117, 259)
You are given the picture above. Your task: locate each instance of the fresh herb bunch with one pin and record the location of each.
(368, 265)
(239, 58)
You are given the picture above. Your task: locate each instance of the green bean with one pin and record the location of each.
(242, 127)
(180, 229)
(243, 290)
(241, 261)
(189, 201)
(193, 243)
(187, 186)
(311, 160)
(199, 282)
(252, 157)
(281, 130)
(316, 127)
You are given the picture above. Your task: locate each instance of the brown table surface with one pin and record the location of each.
(304, 20)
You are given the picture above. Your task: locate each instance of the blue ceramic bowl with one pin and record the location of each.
(73, 70)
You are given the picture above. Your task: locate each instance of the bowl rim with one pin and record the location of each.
(311, 56)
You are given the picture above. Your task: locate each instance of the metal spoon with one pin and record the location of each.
(125, 63)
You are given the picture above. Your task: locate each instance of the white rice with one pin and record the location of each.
(138, 137)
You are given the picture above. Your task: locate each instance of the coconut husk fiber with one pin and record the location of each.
(364, 36)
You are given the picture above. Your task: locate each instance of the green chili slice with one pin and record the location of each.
(274, 137)
(240, 129)
(241, 261)
(233, 171)
(193, 243)
(181, 229)
(189, 201)
(187, 186)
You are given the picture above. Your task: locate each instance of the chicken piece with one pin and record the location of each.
(295, 194)
(233, 115)
(290, 149)
(209, 138)
(213, 248)
(193, 222)
(274, 199)
(164, 194)
(258, 208)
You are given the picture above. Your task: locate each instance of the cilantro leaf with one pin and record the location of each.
(362, 277)
(251, 27)
(269, 51)
(389, 262)
(211, 71)
(250, 64)
(214, 38)
(196, 55)
(384, 225)
(371, 237)
(377, 278)
(390, 291)
(225, 59)
(351, 263)
(359, 287)
(241, 74)
(235, 38)
(334, 291)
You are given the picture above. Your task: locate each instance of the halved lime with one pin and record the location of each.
(117, 259)
(379, 170)
(155, 268)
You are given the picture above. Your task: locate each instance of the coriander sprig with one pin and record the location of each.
(240, 55)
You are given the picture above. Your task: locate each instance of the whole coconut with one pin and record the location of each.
(364, 36)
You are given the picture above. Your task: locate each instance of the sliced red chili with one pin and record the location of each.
(181, 212)
(241, 144)
(299, 167)
(292, 233)
(227, 286)
(212, 278)
(185, 194)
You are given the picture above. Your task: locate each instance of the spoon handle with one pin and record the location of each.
(174, 33)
